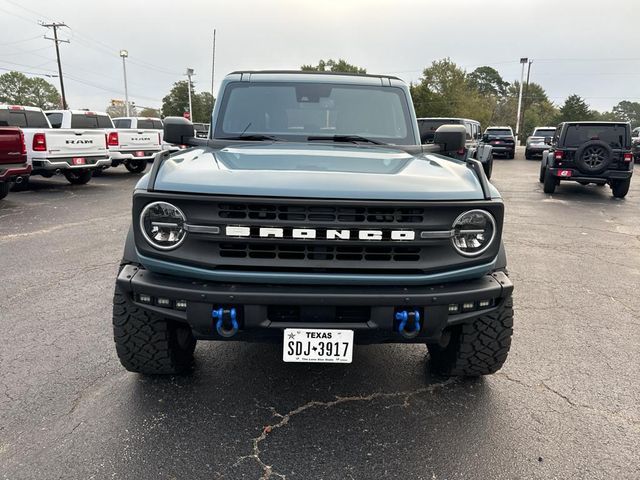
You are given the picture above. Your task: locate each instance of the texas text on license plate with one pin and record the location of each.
(316, 345)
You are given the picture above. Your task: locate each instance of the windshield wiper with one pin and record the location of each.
(252, 136)
(344, 138)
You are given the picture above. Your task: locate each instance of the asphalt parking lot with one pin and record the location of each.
(566, 404)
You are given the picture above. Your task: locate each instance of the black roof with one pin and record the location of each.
(312, 72)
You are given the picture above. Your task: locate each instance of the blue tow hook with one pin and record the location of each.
(222, 327)
(405, 318)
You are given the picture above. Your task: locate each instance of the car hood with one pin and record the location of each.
(317, 171)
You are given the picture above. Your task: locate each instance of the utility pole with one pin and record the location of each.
(526, 91)
(57, 41)
(124, 54)
(213, 60)
(189, 74)
(522, 62)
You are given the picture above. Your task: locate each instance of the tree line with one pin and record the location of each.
(444, 90)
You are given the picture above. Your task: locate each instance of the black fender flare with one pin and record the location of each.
(130, 255)
(501, 259)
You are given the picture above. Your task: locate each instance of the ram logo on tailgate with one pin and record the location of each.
(78, 142)
(141, 139)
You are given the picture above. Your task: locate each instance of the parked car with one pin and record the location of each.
(132, 147)
(314, 217)
(589, 152)
(145, 123)
(201, 129)
(536, 142)
(13, 158)
(73, 152)
(473, 149)
(635, 144)
(502, 140)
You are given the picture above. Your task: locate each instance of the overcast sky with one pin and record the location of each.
(577, 46)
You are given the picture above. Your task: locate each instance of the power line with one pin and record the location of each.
(20, 41)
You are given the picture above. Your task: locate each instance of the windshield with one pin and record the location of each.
(89, 120)
(614, 135)
(296, 111)
(503, 132)
(544, 132)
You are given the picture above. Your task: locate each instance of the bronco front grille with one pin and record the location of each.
(320, 252)
(251, 234)
(324, 214)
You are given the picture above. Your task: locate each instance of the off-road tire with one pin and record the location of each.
(4, 189)
(136, 166)
(543, 170)
(78, 177)
(527, 155)
(478, 348)
(511, 155)
(620, 188)
(593, 157)
(549, 182)
(149, 344)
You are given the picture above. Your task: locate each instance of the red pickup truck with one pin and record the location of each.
(13, 158)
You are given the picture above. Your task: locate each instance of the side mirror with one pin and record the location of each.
(178, 130)
(451, 138)
(547, 140)
(485, 137)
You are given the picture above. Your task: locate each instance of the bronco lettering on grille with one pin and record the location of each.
(320, 233)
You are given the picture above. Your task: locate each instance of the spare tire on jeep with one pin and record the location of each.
(593, 157)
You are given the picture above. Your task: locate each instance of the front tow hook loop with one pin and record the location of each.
(226, 321)
(408, 318)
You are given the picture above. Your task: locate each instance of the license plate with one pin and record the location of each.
(315, 345)
(79, 161)
(139, 154)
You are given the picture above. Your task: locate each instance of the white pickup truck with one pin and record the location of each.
(72, 152)
(147, 123)
(133, 147)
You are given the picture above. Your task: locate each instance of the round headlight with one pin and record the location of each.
(162, 225)
(473, 232)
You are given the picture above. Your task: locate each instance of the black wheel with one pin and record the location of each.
(620, 188)
(488, 168)
(478, 348)
(22, 185)
(511, 155)
(527, 155)
(549, 182)
(136, 166)
(593, 157)
(4, 189)
(78, 177)
(149, 344)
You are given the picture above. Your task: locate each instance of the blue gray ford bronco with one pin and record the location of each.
(312, 216)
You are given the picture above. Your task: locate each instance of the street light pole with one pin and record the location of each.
(124, 54)
(189, 74)
(523, 61)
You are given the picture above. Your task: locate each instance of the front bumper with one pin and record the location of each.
(9, 172)
(578, 176)
(65, 163)
(265, 310)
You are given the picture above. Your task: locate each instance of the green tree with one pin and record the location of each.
(445, 91)
(333, 66)
(573, 109)
(177, 102)
(149, 112)
(17, 88)
(627, 111)
(119, 110)
(488, 81)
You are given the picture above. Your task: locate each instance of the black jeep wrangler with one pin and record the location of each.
(589, 152)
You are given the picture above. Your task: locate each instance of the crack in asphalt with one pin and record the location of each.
(268, 470)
